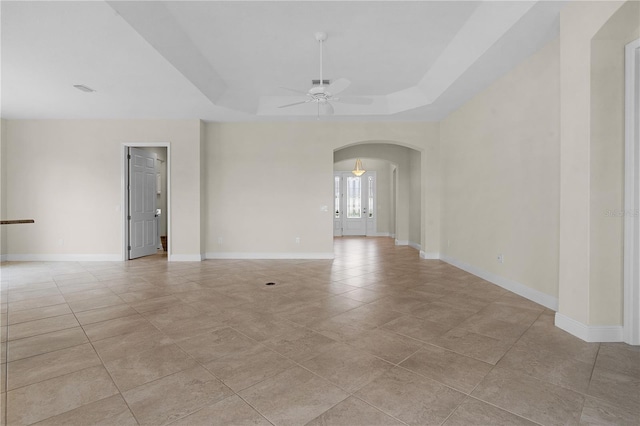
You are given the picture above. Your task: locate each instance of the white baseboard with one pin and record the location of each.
(63, 257)
(402, 242)
(379, 234)
(186, 258)
(245, 255)
(534, 295)
(589, 333)
(415, 246)
(429, 256)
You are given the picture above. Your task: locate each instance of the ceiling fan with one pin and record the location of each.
(323, 95)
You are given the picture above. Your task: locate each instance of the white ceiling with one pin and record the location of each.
(232, 60)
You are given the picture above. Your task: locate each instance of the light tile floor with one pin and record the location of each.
(375, 337)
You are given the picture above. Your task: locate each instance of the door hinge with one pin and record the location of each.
(129, 217)
(129, 247)
(129, 156)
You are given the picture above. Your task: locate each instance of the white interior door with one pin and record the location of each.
(357, 202)
(143, 222)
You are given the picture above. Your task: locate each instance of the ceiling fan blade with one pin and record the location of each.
(338, 86)
(326, 108)
(354, 100)
(294, 90)
(295, 103)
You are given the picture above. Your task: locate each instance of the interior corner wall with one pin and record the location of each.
(415, 199)
(3, 191)
(606, 280)
(579, 23)
(431, 197)
(500, 180)
(72, 186)
(203, 190)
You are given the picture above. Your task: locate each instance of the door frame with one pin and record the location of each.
(374, 221)
(124, 178)
(631, 304)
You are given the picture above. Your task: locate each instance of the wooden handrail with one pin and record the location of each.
(14, 222)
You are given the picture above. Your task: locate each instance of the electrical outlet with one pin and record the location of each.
(61, 242)
(297, 240)
(219, 241)
(500, 258)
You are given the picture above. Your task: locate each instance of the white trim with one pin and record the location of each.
(380, 234)
(429, 256)
(3, 257)
(513, 286)
(631, 304)
(125, 201)
(63, 258)
(248, 255)
(401, 242)
(589, 333)
(185, 257)
(414, 245)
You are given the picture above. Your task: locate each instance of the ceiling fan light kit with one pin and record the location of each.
(321, 36)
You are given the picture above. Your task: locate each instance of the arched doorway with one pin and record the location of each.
(398, 185)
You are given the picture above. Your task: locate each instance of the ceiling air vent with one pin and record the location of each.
(317, 82)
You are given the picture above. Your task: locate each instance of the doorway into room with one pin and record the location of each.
(146, 203)
(397, 203)
(354, 204)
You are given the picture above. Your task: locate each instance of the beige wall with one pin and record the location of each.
(266, 185)
(579, 23)
(203, 191)
(415, 199)
(67, 175)
(3, 189)
(607, 164)
(431, 196)
(383, 188)
(500, 171)
(268, 182)
(246, 178)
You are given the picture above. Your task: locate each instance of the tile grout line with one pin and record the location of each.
(468, 396)
(349, 393)
(103, 366)
(62, 375)
(503, 409)
(496, 364)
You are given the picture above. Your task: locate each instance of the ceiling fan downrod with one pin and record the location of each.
(321, 36)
